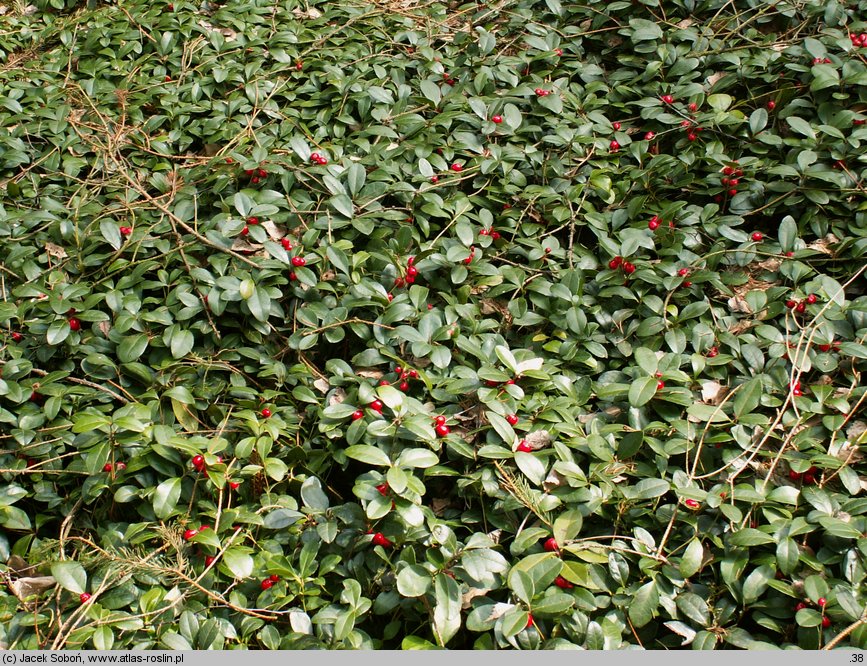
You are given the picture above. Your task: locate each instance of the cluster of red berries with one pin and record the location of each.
(821, 602)
(192, 532)
(316, 158)
(801, 306)
(469, 259)
(411, 274)
(731, 179)
(256, 174)
(120, 466)
(713, 352)
(807, 478)
(831, 346)
(404, 374)
(448, 79)
(683, 272)
(491, 383)
(495, 235)
(618, 262)
(251, 221)
(654, 223)
(859, 41)
(442, 430)
(268, 582)
(125, 231)
(541, 92)
(286, 243)
(199, 462)
(691, 132)
(821, 61)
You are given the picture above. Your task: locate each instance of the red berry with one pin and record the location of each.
(209, 560)
(261, 173)
(382, 489)
(757, 236)
(483, 232)
(772, 105)
(649, 136)
(442, 430)
(667, 99)
(821, 602)
(286, 243)
(315, 157)
(107, 467)
(812, 299)
(404, 386)
(693, 107)
(683, 272)
(691, 137)
(434, 179)
(125, 231)
(74, 324)
(524, 446)
(826, 622)
(273, 578)
(254, 179)
(809, 478)
(628, 268)
(120, 466)
(614, 146)
(84, 597)
(292, 277)
(529, 620)
(245, 231)
(266, 584)
(189, 534)
(558, 52)
(551, 545)
(797, 392)
(692, 504)
(615, 263)
(198, 461)
(16, 336)
(512, 419)
(384, 382)
(561, 582)
(411, 271)
(794, 476)
(457, 168)
(616, 126)
(660, 385)
(801, 307)
(800, 606)
(380, 540)
(825, 348)
(249, 172)
(234, 485)
(496, 119)
(791, 304)
(495, 235)
(712, 352)
(357, 414)
(266, 412)
(253, 220)
(376, 405)
(653, 225)
(413, 373)
(439, 420)
(687, 284)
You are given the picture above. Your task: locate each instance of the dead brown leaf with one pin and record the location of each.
(713, 393)
(55, 251)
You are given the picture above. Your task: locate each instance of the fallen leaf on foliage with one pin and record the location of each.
(855, 430)
(274, 232)
(538, 439)
(552, 481)
(23, 588)
(685, 23)
(310, 13)
(241, 244)
(322, 385)
(370, 374)
(713, 393)
(714, 78)
(337, 397)
(55, 251)
(738, 304)
(823, 244)
(467, 597)
(499, 610)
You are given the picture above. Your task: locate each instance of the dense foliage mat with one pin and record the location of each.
(530, 324)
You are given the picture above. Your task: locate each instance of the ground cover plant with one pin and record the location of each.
(526, 324)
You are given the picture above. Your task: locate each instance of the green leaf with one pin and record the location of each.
(58, 331)
(132, 347)
(801, 126)
(70, 576)
(567, 525)
(642, 390)
(748, 397)
(414, 581)
(749, 537)
(447, 611)
(312, 494)
(165, 498)
(368, 454)
(182, 343)
(531, 466)
(417, 458)
(690, 563)
(239, 562)
(644, 604)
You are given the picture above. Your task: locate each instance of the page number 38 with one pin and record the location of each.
(857, 658)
